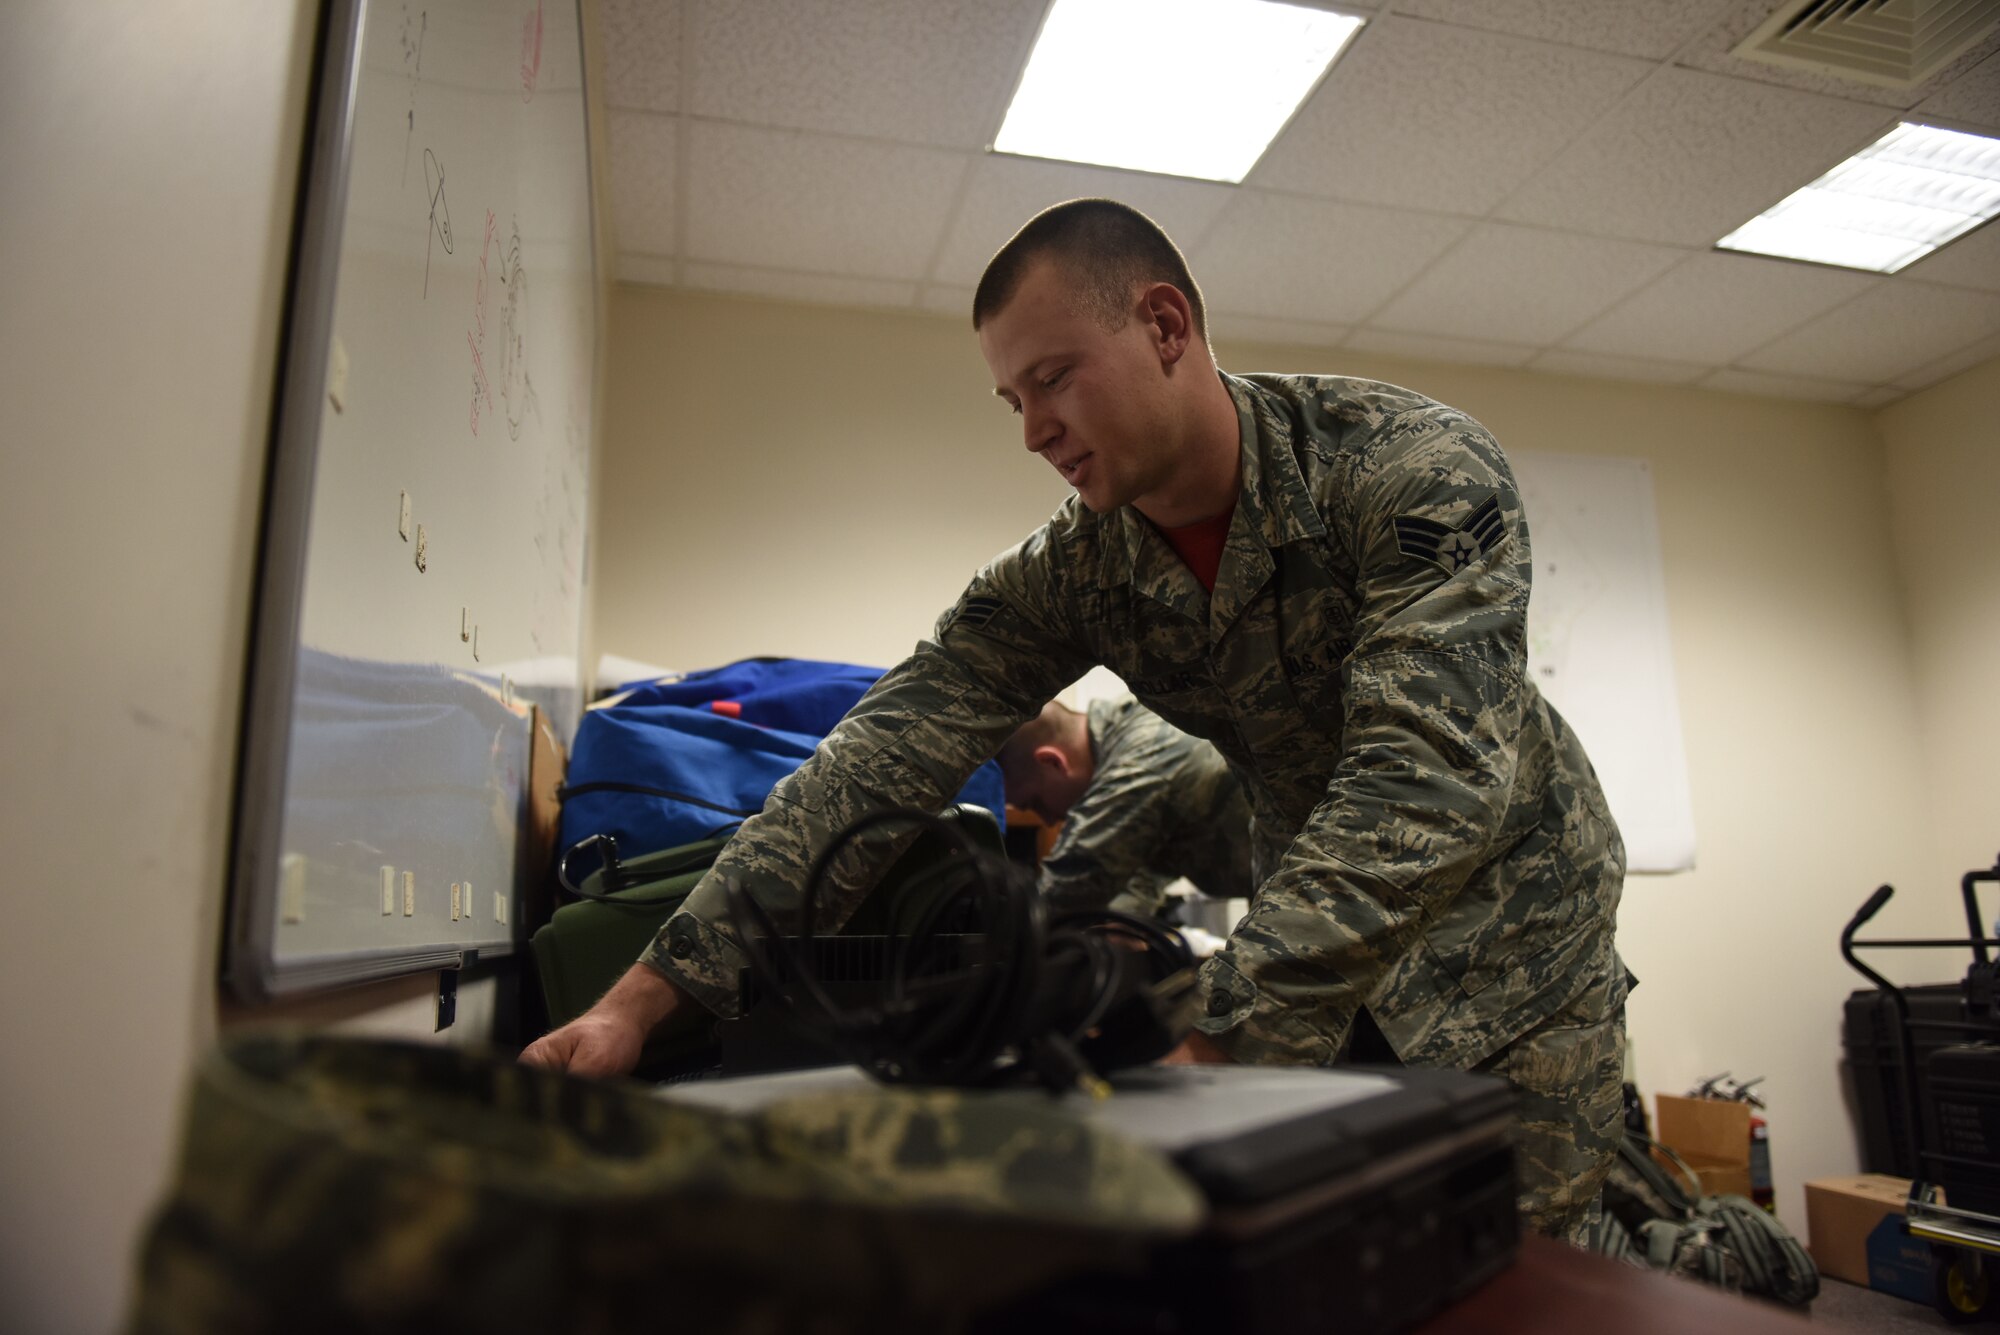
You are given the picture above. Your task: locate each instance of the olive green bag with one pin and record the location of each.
(587, 945)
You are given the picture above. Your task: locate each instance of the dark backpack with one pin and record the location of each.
(1653, 1221)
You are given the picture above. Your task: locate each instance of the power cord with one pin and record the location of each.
(984, 986)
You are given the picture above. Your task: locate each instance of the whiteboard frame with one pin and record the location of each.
(249, 963)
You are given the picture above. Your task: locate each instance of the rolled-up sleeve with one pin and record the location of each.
(995, 657)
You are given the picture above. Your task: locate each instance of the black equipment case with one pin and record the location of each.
(1963, 1124)
(1359, 1200)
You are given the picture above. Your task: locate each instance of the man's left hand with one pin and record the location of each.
(1195, 1048)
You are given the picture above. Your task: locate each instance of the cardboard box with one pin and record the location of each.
(536, 875)
(1854, 1230)
(1712, 1136)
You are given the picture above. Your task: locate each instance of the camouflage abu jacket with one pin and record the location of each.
(1432, 842)
(1160, 805)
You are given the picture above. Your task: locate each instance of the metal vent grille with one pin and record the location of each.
(1890, 43)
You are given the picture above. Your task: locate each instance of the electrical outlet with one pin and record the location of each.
(292, 887)
(336, 376)
(409, 894)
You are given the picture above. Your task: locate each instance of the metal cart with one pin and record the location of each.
(1955, 1152)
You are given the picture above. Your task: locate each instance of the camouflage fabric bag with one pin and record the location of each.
(333, 1184)
(1727, 1241)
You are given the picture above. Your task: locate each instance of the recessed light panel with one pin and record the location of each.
(1894, 202)
(1182, 87)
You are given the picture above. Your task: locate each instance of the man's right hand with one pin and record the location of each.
(606, 1040)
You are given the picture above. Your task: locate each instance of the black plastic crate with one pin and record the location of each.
(1868, 1032)
(1962, 1125)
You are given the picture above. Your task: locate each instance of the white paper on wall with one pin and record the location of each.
(1598, 642)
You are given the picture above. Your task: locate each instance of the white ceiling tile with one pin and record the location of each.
(1282, 257)
(1892, 328)
(1967, 357)
(1563, 362)
(1973, 97)
(1385, 129)
(643, 160)
(652, 270)
(1440, 106)
(926, 71)
(1716, 307)
(1250, 329)
(642, 54)
(1652, 31)
(1971, 261)
(1687, 157)
(947, 299)
(1880, 397)
(1784, 386)
(1463, 351)
(821, 289)
(781, 199)
(1523, 284)
(1005, 192)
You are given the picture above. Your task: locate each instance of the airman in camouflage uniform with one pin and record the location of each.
(1432, 843)
(1155, 804)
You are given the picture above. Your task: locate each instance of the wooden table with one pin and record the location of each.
(1555, 1289)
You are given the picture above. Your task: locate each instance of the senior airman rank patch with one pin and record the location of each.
(977, 611)
(971, 613)
(1451, 548)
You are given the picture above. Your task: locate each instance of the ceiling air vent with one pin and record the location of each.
(1890, 43)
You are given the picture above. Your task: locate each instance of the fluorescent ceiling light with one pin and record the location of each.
(1104, 81)
(1895, 201)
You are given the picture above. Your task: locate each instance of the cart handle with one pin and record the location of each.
(1905, 1057)
(1873, 906)
(1967, 887)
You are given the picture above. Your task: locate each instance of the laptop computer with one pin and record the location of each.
(1354, 1199)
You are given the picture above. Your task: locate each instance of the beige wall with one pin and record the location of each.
(1944, 481)
(790, 480)
(151, 151)
(796, 480)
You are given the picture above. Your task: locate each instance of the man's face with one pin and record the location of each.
(1092, 402)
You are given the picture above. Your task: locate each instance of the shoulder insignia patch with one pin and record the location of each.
(975, 612)
(1453, 549)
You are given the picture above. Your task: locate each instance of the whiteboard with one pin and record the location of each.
(1598, 641)
(421, 576)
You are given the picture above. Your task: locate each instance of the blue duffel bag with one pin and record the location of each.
(800, 695)
(673, 762)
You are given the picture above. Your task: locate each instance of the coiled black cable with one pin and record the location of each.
(984, 984)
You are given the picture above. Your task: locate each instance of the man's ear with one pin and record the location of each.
(1169, 319)
(1052, 757)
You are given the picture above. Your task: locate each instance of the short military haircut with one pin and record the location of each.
(1107, 248)
(1050, 727)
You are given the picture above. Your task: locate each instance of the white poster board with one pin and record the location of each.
(1598, 643)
